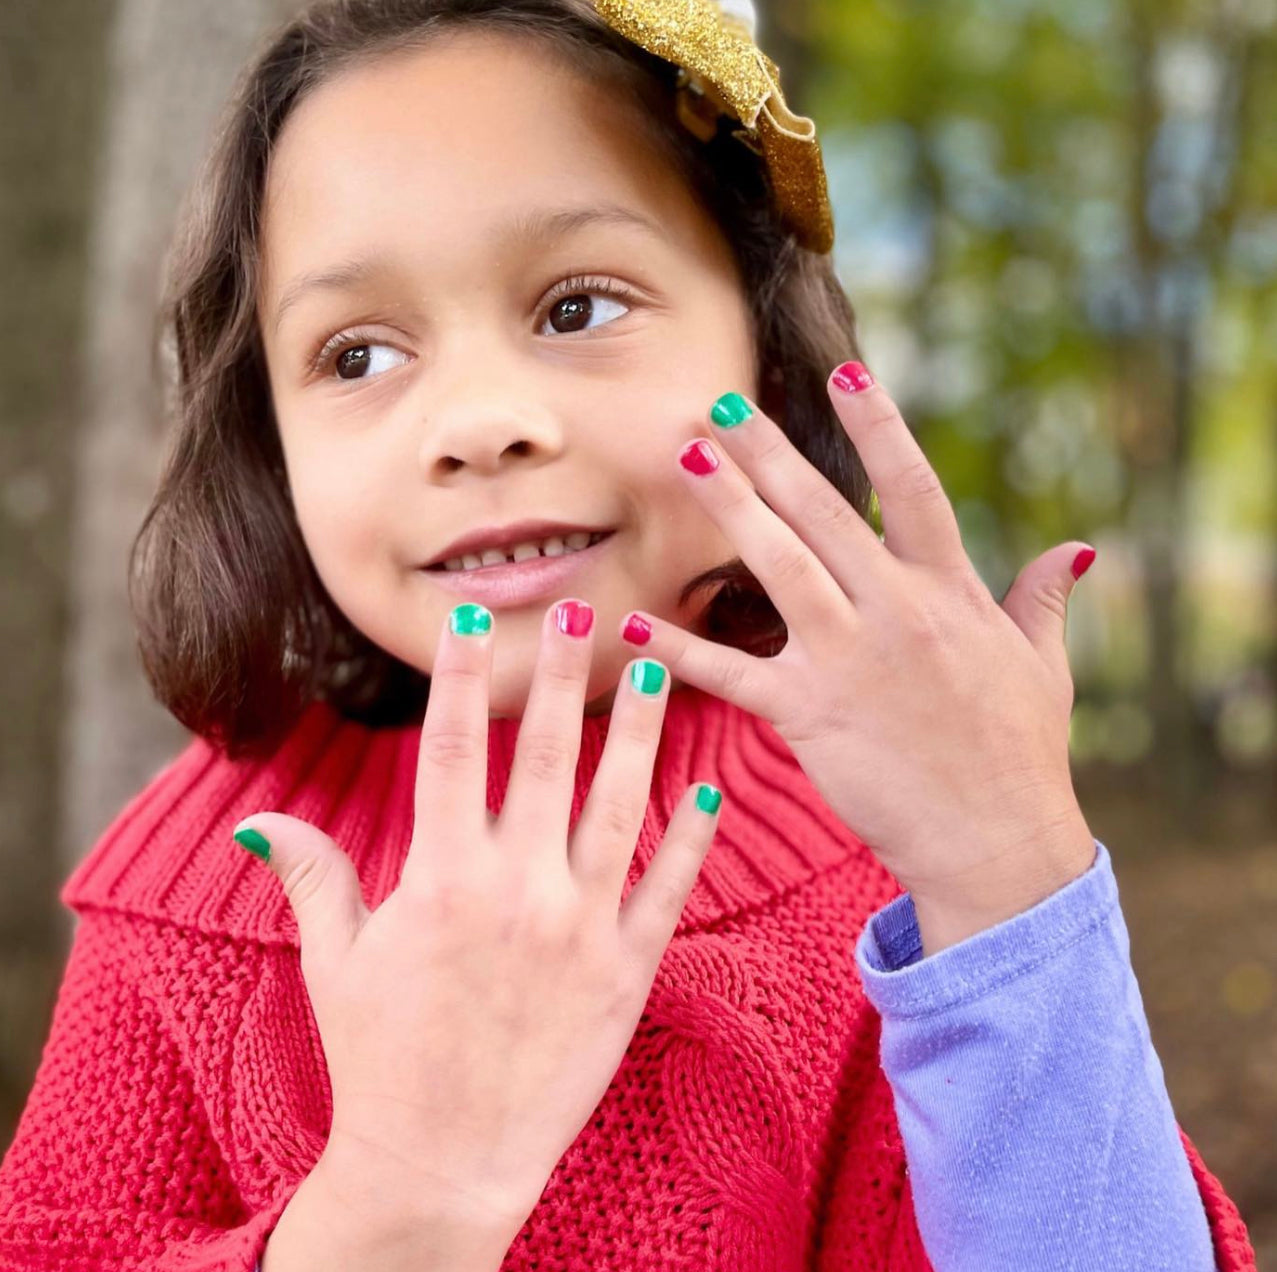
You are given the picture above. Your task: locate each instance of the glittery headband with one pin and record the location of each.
(723, 72)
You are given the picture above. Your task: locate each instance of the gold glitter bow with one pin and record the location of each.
(722, 71)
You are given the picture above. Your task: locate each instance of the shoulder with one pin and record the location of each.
(168, 854)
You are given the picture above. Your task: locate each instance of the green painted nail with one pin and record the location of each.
(647, 676)
(255, 842)
(708, 798)
(470, 620)
(731, 409)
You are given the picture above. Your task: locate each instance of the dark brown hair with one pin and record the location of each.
(237, 633)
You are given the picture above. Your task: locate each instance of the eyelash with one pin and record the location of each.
(577, 285)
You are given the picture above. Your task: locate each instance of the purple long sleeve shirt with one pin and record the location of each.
(1033, 1108)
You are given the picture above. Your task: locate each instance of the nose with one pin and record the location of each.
(483, 427)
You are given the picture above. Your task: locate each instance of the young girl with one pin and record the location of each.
(752, 931)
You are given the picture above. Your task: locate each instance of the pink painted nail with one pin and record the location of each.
(1082, 562)
(574, 618)
(698, 457)
(852, 377)
(638, 631)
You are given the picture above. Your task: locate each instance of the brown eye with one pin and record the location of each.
(353, 362)
(573, 313)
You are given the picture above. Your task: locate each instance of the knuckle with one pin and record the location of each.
(734, 678)
(917, 482)
(618, 816)
(774, 448)
(450, 748)
(789, 563)
(306, 879)
(559, 678)
(546, 756)
(926, 623)
(828, 510)
(668, 899)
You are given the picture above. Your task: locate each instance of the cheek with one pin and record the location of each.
(340, 516)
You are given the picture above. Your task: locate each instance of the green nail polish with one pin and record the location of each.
(647, 676)
(708, 798)
(731, 409)
(470, 620)
(255, 842)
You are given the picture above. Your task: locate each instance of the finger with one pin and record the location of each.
(452, 756)
(819, 513)
(803, 591)
(319, 882)
(651, 912)
(605, 834)
(543, 772)
(731, 674)
(1038, 600)
(917, 518)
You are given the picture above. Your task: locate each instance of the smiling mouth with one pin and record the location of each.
(508, 561)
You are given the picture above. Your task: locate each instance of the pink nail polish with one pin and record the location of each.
(698, 457)
(1082, 562)
(574, 618)
(852, 377)
(638, 631)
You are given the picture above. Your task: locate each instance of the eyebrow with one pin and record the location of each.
(537, 226)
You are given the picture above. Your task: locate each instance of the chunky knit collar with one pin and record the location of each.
(169, 853)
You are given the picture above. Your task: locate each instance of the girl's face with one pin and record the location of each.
(463, 386)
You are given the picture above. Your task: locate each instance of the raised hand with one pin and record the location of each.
(473, 1022)
(932, 720)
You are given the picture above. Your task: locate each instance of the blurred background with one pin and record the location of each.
(1058, 222)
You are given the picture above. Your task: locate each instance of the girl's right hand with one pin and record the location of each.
(472, 1023)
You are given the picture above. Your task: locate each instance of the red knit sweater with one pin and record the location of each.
(182, 1094)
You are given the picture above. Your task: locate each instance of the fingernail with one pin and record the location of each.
(647, 676)
(470, 620)
(1082, 562)
(574, 618)
(638, 631)
(255, 842)
(698, 457)
(852, 377)
(731, 409)
(708, 798)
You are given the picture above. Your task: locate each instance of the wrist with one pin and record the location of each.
(350, 1212)
(1008, 886)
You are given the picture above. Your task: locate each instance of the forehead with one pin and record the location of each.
(437, 143)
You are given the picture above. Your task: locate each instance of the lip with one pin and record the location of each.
(518, 582)
(516, 532)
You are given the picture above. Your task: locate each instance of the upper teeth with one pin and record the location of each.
(555, 545)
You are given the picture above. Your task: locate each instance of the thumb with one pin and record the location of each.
(1038, 599)
(319, 880)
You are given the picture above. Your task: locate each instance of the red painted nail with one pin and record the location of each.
(852, 377)
(638, 631)
(574, 618)
(698, 457)
(1082, 562)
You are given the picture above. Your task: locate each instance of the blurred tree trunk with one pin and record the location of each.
(52, 66)
(1160, 375)
(168, 66)
(172, 65)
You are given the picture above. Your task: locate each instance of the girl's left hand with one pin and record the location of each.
(931, 719)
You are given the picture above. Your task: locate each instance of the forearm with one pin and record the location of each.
(339, 1218)
(1031, 1103)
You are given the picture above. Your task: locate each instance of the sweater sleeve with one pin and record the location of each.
(114, 1164)
(1033, 1108)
